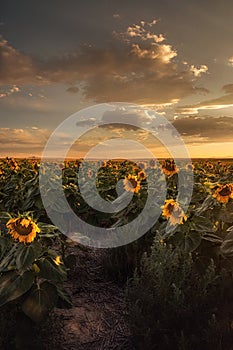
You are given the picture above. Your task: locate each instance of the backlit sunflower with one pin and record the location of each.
(57, 260)
(141, 175)
(131, 184)
(173, 212)
(23, 229)
(13, 164)
(169, 167)
(103, 164)
(223, 193)
(189, 167)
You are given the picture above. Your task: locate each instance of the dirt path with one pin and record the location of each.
(98, 319)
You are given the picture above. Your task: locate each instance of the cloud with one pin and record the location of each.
(28, 103)
(205, 129)
(197, 71)
(137, 67)
(20, 141)
(9, 91)
(116, 16)
(228, 89)
(221, 102)
(73, 90)
(17, 67)
(141, 31)
(165, 53)
(125, 119)
(230, 61)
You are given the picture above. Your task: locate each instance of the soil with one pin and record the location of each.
(98, 318)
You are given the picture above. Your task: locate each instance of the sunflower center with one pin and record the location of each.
(170, 207)
(177, 212)
(225, 191)
(21, 229)
(133, 183)
(170, 167)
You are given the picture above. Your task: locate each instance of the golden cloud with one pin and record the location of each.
(139, 67)
(221, 102)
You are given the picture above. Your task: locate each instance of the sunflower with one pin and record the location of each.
(152, 163)
(103, 164)
(173, 211)
(115, 166)
(169, 167)
(189, 167)
(90, 173)
(223, 193)
(141, 175)
(209, 165)
(131, 184)
(13, 165)
(141, 165)
(57, 260)
(23, 229)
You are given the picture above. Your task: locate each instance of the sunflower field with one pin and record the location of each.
(177, 279)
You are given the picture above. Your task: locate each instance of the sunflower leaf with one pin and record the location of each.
(201, 224)
(26, 255)
(13, 285)
(40, 302)
(9, 259)
(51, 271)
(64, 298)
(227, 244)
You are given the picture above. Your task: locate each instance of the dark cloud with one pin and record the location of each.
(73, 90)
(16, 67)
(228, 89)
(223, 101)
(207, 128)
(138, 67)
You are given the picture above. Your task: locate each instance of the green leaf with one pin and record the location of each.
(4, 215)
(4, 244)
(188, 241)
(9, 259)
(40, 302)
(13, 285)
(201, 224)
(192, 241)
(26, 255)
(226, 214)
(212, 238)
(64, 298)
(205, 205)
(51, 271)
(227, 244)
(46, 227)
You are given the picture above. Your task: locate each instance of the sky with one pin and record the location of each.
(174, 57)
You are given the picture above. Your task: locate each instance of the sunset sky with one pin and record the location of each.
(174, 57)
